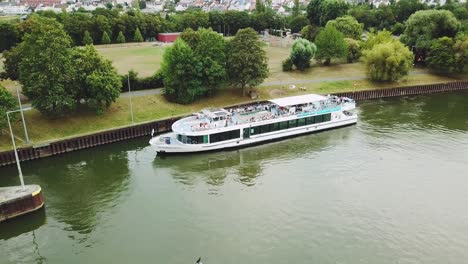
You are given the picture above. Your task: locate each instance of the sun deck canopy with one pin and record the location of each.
(298, 100)
(215, 113)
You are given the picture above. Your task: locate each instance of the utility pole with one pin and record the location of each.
(130, 96)
(22, 115)
(14, 149)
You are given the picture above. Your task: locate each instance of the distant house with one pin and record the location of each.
(168, 37)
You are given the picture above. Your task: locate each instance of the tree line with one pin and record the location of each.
(201, 62)
(433, 36)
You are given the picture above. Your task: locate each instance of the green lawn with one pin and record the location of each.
(143, 58)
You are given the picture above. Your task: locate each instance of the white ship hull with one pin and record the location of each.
(339, 120)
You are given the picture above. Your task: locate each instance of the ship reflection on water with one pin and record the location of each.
(247, 164)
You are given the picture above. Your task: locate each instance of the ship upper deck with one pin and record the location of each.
(303, 105)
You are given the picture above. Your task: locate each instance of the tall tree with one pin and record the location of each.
(87, 39)
(302, 52)
(354, 50)
(46, 76)
(9, 36)
(120, 38)
(297, 23)
(309, 32)
(259, 6)
(423, 27)
(105, 38)
(403, 9)
(330, 44)
(460, 49)
(95, 78)
(320, 12)
(296, 10)
(349, 26)
(11, 62)
(376, 38)
(211, 52)
(7, 103)
(388, 61)
(138, 37)
(181, 70)
(441, 57)
(247, 62)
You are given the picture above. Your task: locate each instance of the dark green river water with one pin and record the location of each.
(392, 189)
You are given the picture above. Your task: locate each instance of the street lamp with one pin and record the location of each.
(22, 115)
(14, 147)
(130, 96)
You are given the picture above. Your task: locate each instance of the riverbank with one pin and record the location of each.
(150, 107)
(113, 134)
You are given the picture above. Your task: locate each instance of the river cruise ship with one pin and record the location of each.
(218, 128)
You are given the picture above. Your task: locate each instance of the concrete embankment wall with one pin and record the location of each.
(161, 126)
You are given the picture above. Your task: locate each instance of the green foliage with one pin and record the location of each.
(11, 62)
(398, 28)
(211, 53)
(46, 76)
(259, 6)
(330, 44)
(87, 39)
(7, 103)
(441, 57)
(309, 32)
(302, 52)
(180, 69)
(448, 55)
(287, 65)
(348, 25)
(320, 12)
(9, 36)
(297, 23)
(296, 9)
(105, 38)
(374, 39)
(354, 50)
(59, 78)
(138, 37)
(120, 38)
(403, 9)
(190, 37)
(266, 20)
(247, 61)
(460, 49)
(388, 61)
(142, 4)
(423, 27)
(96, 80)
(137, 83)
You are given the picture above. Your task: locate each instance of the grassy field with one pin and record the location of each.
(145, 59)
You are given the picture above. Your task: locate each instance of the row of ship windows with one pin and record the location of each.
(234, 134)
(288, 124)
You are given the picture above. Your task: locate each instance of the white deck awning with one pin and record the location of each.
(297, 100)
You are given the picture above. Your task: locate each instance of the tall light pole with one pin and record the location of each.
(14, 148)
(22, 116)
(130, 96)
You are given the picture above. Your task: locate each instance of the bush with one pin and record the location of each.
(7, 103)
(388, 61)
(354, 50)
(138, 37)
(120, 38)
(287, 65)
(302, 52)
(105, 38)
(87, 39)
(136, 83)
